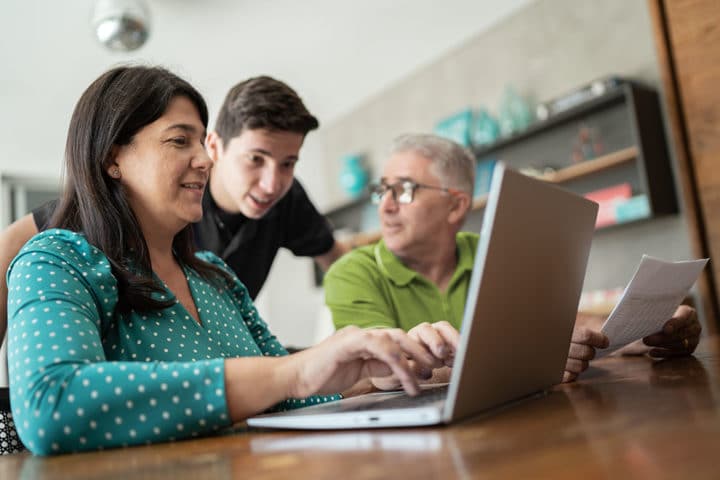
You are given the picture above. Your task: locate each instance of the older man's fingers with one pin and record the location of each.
(581, 352)
(667, 353)
(657, 339)
(569, 377)
(671, 347)
(661, 339)
(576, 366)
(693, 330)
(590, 337)
(683, 317)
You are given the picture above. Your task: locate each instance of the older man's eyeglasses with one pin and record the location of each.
(403, 191)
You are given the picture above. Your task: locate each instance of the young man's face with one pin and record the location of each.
(254, 170)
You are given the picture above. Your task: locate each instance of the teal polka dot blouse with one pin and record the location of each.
(84, 376)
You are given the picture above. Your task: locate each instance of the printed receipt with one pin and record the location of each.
(650, 299)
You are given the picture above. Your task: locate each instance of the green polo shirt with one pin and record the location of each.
(370, 287)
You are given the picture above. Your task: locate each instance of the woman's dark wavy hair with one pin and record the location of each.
(109, 113)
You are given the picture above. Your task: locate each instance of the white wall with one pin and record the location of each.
(545, 49)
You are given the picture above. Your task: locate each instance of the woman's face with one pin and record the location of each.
(165, 168)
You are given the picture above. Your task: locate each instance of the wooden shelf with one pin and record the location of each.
(613, 96)
(579, 170)
(592, 166)
(563, 175)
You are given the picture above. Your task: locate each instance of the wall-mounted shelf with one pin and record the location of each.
(579, 170)
(629, 150)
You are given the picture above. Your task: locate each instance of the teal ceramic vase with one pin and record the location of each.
(514, 114)
(353, 175)
(485, 129)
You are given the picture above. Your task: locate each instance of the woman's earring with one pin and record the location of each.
(115, 172)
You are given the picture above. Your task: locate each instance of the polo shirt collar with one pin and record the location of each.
(391, 266)
(395, 270)
(466, 258)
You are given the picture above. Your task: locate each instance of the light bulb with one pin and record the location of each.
(121, 25)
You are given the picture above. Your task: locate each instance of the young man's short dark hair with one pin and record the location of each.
(263, 103)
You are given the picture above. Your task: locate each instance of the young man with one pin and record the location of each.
(253, 205)
(420, 270)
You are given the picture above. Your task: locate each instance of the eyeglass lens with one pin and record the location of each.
(402, 192)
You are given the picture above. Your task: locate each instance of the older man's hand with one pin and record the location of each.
(680, 335)
(582, 349)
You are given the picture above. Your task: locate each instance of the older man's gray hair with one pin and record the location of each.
(453, 164)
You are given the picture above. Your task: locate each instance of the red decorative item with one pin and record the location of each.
(608, 198)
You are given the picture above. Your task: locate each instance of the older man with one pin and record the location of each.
(420, 270)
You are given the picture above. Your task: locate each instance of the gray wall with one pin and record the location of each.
(544, 50)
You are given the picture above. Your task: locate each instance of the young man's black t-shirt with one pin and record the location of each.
(249, 246)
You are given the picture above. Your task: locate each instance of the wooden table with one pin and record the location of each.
(626, 418)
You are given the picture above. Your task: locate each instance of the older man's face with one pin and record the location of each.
(413, 227)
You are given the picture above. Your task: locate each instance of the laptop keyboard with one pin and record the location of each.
(401, 400)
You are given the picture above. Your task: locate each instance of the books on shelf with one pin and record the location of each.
(634, 208)
(608, 199)
(618, 205)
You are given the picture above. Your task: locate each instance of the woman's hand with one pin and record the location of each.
(440, 339)
(352, 354)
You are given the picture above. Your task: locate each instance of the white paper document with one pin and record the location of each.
(650, 299)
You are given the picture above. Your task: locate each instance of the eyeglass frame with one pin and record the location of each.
(409, 187)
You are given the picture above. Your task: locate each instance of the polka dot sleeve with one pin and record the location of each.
(66, 396)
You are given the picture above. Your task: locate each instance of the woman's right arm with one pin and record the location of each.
(11, 241)
(334, 365)
(66, 395)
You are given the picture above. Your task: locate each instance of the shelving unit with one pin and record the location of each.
(628, 122)
(564, 175)
(579, 170)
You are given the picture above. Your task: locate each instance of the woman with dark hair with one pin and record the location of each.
(119, 333)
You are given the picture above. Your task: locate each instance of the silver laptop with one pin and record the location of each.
(518, 320)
